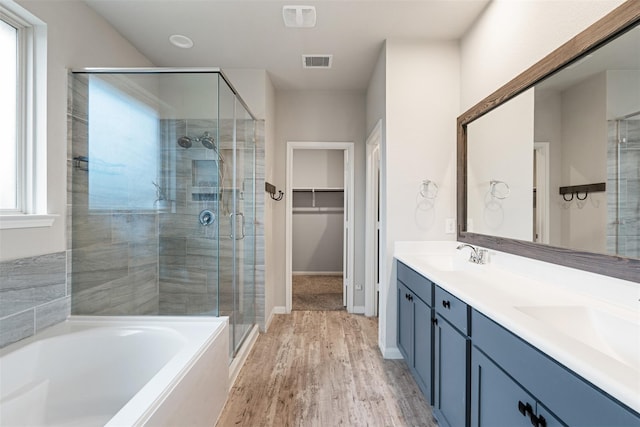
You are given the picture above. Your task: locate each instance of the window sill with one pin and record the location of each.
(26, 221)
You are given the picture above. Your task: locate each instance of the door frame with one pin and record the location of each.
(348, 268)
(371, 240)
(541, 156)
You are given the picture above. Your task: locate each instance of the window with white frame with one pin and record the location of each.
(23, 163)
(8, 120)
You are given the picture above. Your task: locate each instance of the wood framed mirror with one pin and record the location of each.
(590, 43)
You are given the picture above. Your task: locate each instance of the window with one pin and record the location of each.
(23, 163)
(8, 110)
(124, 148)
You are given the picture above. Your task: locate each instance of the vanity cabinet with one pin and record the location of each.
(415, 330)
(508, 374)
(476, 373)
(451, 360)
(499, 401)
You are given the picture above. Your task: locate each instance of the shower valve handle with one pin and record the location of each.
(207, 217)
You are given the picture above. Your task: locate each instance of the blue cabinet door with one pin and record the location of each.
(405, 324)
(450, 375)
(498, 401)
(422, 354)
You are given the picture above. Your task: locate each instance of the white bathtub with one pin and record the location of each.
(123, 371)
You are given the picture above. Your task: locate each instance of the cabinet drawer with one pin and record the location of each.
(451, 308)
(420, 285)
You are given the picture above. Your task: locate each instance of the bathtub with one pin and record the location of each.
(122, 371)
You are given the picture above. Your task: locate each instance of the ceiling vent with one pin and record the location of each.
(299, 16)
(317, 61)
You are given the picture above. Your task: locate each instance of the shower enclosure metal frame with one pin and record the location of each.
(236, 218)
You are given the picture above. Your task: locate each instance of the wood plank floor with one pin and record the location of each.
(323, 368)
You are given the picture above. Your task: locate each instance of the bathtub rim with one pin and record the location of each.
(143, 404)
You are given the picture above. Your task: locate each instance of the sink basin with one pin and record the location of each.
(614, 336)
(441, 262)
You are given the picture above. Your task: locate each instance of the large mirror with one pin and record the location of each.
(549, 165)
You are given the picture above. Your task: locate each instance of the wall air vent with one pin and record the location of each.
(299, 16)
(317, 61)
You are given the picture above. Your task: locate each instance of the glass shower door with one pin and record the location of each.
(237, 236)
(244, 224)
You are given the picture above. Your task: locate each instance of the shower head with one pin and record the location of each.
(207, 141)
(185, 142)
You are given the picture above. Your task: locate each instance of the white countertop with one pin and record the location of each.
(587, 322)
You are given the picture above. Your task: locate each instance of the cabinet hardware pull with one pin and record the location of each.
(446, 304)
(434, 321)
(525, 409)
(410, 297)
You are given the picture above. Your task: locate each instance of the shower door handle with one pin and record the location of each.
(231, 234)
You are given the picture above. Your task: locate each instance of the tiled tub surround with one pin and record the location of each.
(508, 282)
(33, 295)
(122, 371)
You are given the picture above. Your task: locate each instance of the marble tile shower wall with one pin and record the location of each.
(33, 295)
(623, 207)
(196, 261)
(188, 250)
(114, 253)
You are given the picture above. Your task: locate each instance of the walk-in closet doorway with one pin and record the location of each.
(324, 196)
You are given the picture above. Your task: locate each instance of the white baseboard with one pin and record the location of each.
(317, 273)
(358, 309)
(390, 352)
(241, 357)
(274, 310)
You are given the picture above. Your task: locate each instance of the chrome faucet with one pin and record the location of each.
(477, 256)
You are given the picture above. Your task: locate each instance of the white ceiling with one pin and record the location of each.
(251, 34)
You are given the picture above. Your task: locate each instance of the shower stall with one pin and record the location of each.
(162, 196)
(623, 186)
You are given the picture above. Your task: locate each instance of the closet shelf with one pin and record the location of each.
(318, 189)
(326, 198)
(310, 210)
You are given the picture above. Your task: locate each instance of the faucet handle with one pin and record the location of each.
(483, 256)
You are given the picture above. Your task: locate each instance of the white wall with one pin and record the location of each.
(584, 161)
(623, 93)
(510, 36)
(421, 105)
(77, 37)
(376, 93)
(500, 147)
(323, 116)
(318, 168)
(548, 128)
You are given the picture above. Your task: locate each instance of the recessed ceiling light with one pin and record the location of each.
(181, 41)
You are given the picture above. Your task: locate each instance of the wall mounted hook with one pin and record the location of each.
(271, 189)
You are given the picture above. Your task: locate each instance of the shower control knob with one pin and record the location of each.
(207, 217)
